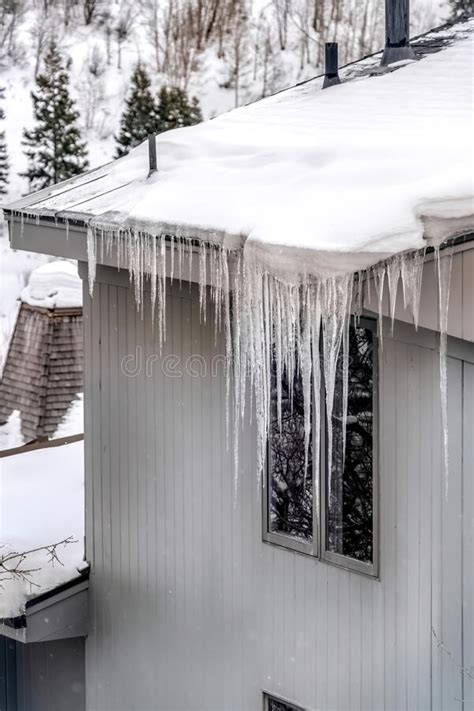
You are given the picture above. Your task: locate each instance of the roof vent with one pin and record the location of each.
(331, 75)
(152, 166)
(397, 32)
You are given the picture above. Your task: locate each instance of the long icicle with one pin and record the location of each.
(265, 320)
(444, 268)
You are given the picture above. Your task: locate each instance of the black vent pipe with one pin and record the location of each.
(331, 75)
(397, 32)
(152, 166)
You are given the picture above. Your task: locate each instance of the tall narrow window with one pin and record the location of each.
(290, 478)
(340, 524)
(350, 483)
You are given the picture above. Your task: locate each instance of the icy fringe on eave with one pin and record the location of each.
(265, 317)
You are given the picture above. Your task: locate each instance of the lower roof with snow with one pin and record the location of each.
(308, 181)
(41, 504)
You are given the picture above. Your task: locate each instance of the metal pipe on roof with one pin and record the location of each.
(152, 165)
(331, 75)
(397, 32)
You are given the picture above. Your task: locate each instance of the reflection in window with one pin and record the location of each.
(273, 704)
(294, 511)
(291, 484)
(349, 487)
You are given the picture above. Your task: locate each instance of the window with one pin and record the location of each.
(332, 516)
(271, 703)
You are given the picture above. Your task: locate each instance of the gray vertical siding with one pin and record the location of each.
(191, 611)
(50, 676)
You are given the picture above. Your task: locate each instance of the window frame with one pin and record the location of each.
(267, 697)
(318, 547)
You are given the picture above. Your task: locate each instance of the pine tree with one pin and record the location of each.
(3, 153)
(461, 7)
(54, 148)
(175, 110)
(139, 118)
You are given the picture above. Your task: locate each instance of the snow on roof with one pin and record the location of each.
(41, 503)
(325, 181)
(55, 285)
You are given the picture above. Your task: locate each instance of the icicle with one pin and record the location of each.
(305, 365)
(271, 328)
(393, 275)
(379, 279)
(337, 297)
(444, 266)
(91, 258)
(203, 251)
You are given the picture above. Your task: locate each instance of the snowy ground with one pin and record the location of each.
(41, 503)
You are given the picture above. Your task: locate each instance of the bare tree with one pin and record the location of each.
(123, 29)
(89, 8)
(150, 10)
(41, 33)
(11, 13)
(17, 566)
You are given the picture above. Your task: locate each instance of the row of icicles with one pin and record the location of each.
(268, 322)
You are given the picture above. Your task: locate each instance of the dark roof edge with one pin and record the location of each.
(19, 621)
(81, 578)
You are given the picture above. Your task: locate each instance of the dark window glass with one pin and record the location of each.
(350, 484)
(278, 705)
(290, 483)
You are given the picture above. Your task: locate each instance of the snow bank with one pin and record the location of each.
(73, 422)
(41, 503)
(54, 285)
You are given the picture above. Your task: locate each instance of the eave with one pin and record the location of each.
(60, 613)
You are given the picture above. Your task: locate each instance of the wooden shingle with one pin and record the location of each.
(43, 371)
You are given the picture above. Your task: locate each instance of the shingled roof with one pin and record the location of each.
(43, 371)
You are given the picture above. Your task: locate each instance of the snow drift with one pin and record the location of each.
(55, 285)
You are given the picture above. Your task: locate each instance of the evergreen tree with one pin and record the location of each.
(139, 118)
(175, 110)
(3, 153)
(461, 7)
(54, 148)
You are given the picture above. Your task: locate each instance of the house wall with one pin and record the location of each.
(461, 296)
(43, 676)
(191, 611)
(51, 675)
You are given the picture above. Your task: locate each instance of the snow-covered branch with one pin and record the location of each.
(16, 566)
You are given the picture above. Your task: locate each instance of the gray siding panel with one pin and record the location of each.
(191, 611)
(468, 537)
(50, 676)
(461, 297)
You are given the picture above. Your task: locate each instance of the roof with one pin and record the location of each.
(324, 182)
(54, 285)
(43, 371)
(59, 613)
